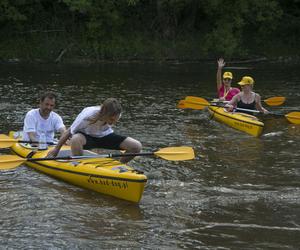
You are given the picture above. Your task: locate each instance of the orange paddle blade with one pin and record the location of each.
(176, 153)
(6, 141)
(181, 104)
(8, 162)
(275, 101)
(198, 100)
(293, 117)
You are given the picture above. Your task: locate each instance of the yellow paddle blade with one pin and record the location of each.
(2, 136)
(293, 117)
(275, 101)
(8, 162)
(6, 141)
(191, 105)
(198, 100)
(181, 104)
(176, 153)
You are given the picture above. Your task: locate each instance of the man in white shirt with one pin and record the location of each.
(43, 120)
(92, 129)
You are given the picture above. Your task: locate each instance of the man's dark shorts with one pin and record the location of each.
(111, 141)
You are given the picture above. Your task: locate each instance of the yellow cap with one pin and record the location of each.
(246, 80)
(227, 75)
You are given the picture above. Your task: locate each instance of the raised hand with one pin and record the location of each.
(221, 63)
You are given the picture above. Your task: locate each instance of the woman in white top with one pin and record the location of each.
(92, 128)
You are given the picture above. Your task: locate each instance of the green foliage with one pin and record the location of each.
(234, 24)
(111, 29)
(11, 12)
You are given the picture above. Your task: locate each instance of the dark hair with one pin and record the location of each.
(49, 95)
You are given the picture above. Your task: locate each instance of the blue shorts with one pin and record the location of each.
(111, 141)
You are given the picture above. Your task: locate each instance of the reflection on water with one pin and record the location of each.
(293, 131)
(239, 192)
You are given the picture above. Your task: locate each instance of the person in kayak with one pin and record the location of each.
(247, 98)
(92, 129)
(225, 91)
(43, 121)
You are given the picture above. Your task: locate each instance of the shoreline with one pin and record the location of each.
(237, 61)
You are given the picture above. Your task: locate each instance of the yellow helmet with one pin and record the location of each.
(227, 75)
(246, 80)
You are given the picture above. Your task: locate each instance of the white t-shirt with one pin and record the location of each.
(82, 124)
(34, 122)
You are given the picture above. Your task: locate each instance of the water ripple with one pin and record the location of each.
(239, 193)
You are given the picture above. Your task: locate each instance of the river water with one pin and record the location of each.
(239, 193)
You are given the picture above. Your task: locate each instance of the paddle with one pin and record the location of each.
(272, 101)
(183, 104)
(6, 141)
(292, 117)
(200, 103)
(194, 102)
(170, 153)
(275, 101)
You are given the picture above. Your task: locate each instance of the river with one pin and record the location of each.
(240, 192)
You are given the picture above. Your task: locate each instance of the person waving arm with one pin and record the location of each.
(221, 65)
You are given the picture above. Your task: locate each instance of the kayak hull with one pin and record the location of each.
(239, 121)
(103, 175)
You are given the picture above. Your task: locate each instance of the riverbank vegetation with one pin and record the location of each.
(159, 30)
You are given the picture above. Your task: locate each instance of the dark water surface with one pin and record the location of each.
(239, 193)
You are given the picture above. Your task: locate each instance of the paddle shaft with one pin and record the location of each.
(257, 111)
(206, 103)
(89, 156)
(248, 110)
(199, 103)
(36, 142)
(272, 101)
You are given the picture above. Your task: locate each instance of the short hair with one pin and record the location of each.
(49, 95)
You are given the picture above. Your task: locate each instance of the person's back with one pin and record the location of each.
(92, 129)
(43, 120)
(97, 128)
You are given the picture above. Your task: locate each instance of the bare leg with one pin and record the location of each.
(77, 141)
(131, 146)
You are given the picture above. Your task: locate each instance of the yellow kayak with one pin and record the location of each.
(104, 175)
(240, 121)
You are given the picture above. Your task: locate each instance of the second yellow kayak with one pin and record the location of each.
(240, 121)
